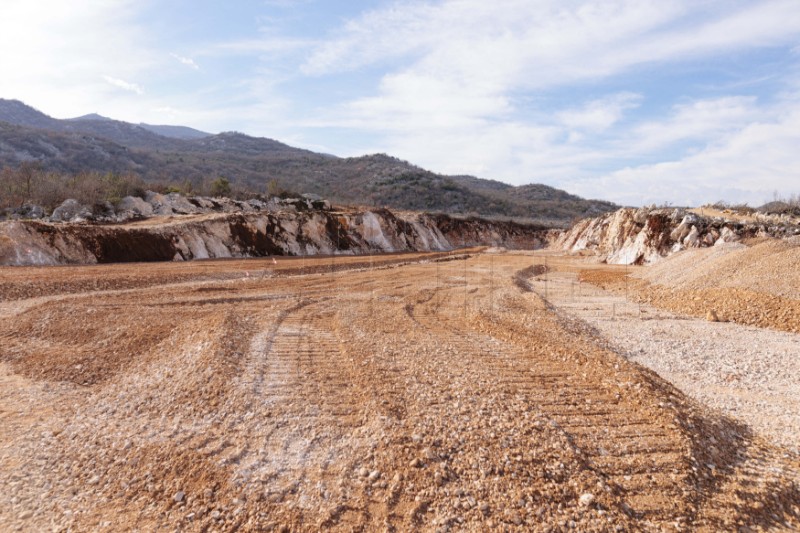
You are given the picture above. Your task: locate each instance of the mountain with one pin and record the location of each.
(176, 154)
(15, 112)
(90, 116)
(176, 132)
(173, 132)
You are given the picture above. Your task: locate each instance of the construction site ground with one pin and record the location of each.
(417, 392)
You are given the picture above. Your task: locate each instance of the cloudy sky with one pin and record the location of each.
(635, 101)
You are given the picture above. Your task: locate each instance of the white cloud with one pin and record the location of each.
(599, 115)
(60, 56)
(545, 43)
(459, 92)
(745, 164)
(707, 119)
(188, 61)
(124, 85)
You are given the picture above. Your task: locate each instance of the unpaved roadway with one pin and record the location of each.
(417, 392)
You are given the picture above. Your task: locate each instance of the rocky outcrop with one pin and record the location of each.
(156, 204)
(645, 235)
(293, 229)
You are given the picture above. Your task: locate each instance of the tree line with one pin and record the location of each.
(30, 184)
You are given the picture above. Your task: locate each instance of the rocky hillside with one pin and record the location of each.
(179, 155)
(174, 228)
(645, 235)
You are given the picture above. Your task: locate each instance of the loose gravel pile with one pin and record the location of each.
(768, 266)
(756, 285)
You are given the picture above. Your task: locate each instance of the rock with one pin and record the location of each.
(711, 316)
(70, 210)
(586, 499)
(257, 205)
(158, 202)
(415, 463)
(364, 472)
(683, 229)
(180, 205)
(692, 240)
(646, 235)
(103, 210)
(24, 515)
(133, 205)
(374, 475)
(179, 496)
(727, 235)
(28, 211)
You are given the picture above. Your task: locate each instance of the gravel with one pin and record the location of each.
(748, 373)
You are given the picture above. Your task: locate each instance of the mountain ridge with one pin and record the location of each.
(94, 143)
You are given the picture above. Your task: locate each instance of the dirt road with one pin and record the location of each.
(395, 393)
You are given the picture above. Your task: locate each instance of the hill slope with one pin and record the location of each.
(178, 154)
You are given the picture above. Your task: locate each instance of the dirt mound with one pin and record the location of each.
(769, 267)
(757, 285)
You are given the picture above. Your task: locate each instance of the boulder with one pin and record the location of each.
(727, 235)
(257, 204)
(158, 202)
(692, 240)
(28, 211)
(680, 233)
(70, 210)
(203, 203)
(103, 210)
(134, 206)
(179, 204)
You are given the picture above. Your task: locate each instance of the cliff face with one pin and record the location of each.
(253, 234)
(645, 235)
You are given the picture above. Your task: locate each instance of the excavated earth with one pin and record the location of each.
(417, 392)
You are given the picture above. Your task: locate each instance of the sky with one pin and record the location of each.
(635, 101)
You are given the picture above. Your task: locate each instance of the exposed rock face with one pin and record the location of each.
(287, 231)
(645, 235)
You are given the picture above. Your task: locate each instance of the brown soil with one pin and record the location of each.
(414, 395)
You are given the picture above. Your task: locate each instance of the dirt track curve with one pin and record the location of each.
(417, 392)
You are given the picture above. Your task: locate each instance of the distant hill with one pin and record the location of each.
(179, 154)
(176, 132)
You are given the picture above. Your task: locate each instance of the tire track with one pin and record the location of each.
(631, 452)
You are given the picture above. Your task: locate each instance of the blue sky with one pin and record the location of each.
(634, 101)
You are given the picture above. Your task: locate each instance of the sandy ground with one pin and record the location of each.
(392, 393)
